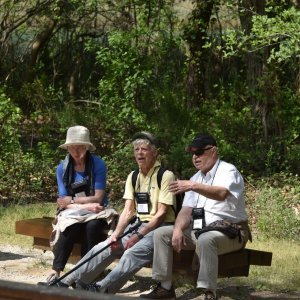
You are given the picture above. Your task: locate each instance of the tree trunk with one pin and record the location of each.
(37, 46)
(195, 33)
(255, 62)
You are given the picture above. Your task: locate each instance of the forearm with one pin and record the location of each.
(97, 198)
(183, 219)
(218, 193)
(123, 221)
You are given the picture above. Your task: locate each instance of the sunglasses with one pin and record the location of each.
(199, 152)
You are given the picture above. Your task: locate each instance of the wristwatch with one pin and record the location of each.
(72, 200)
(140, 236)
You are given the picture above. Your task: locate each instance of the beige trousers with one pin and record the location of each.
(207, 248)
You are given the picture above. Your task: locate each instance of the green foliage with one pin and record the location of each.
(24, 172)
(123, 78)
(276, 207)
(279, 30)
(10, 148)
(128, 69)
(119, 165)
(282, 30)
(10, 116)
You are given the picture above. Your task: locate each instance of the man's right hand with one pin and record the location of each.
(178, 240)
(116, 244)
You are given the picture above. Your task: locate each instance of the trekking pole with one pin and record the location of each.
(131, 229)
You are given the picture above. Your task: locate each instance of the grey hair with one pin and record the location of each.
(144, 141)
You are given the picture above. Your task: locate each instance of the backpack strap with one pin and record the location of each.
(160, 174)
(178, 198)
(134, 178)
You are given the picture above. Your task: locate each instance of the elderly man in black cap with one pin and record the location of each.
(150, 200)
(212, 220)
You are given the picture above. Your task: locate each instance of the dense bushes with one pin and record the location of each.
(274, 207)
(138, 69)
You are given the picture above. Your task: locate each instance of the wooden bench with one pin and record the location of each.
(232, 264)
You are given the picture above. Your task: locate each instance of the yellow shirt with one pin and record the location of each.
(148, 183)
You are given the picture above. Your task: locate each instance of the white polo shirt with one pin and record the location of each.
(233, 207)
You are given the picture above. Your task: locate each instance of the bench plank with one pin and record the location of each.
(232, 264)
(37, 227)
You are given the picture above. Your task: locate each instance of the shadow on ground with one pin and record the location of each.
(142, 285)
(10, 256)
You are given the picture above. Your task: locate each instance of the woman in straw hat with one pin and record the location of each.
(81, 179)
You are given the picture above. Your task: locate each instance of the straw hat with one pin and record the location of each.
(78, 135)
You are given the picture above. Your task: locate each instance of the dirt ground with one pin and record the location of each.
(31, 266)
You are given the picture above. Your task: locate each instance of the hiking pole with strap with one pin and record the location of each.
(131, 229)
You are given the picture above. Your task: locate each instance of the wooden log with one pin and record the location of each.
(21, 291)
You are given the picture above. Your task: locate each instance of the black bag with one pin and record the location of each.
(232, 230)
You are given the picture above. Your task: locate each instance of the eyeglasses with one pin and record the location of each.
(199, 152)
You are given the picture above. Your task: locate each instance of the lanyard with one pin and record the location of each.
(210, 185)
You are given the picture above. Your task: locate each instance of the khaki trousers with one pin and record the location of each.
(207, 248)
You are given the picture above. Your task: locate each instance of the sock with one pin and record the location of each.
(166, 284)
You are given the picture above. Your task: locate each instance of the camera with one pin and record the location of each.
(79, 187)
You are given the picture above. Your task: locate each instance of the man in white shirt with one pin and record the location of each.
(214, 194)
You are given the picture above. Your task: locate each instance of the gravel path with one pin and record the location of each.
(32, 265)
(23, 264)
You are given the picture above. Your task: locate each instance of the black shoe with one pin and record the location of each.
(92, 287)
(58, 284)
(160, 293)
(209, 296)
(51, 278)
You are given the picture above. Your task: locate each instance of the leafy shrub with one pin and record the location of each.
(276, 207)
(26, 170)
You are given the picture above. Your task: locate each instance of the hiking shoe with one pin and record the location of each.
(57, 284)
(209, 296)
(160, 293)
(51, 278)
(92, 287)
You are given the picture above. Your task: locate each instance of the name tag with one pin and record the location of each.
(198, 224)
(142, 200)
(198, 215)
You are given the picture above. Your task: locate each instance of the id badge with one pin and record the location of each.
(198, 218)
(142, 200)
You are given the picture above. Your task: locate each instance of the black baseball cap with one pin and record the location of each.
(201, 141)
(146, 136)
